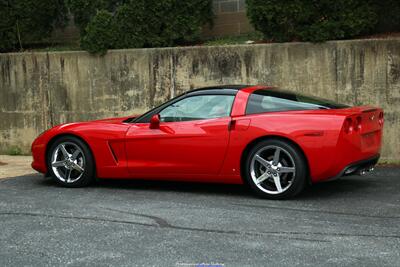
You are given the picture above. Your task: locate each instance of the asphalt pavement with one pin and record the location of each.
(354, 221)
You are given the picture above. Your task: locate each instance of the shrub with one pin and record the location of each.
(99, 34)
(181, 20)
(131, 28)
(28, 21)
(85, 10)
(388, 15)
(14, 151)
(154, 23)
(314, 21)
(141, 23)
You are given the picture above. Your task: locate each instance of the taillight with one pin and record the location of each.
(357, 124)
(381, 119)
(348, 125)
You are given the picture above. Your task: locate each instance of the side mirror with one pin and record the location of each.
(155, 121)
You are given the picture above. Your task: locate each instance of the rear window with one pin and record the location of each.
(272, 100)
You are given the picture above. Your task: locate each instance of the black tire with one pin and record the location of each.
(291, 155)
(84, 159)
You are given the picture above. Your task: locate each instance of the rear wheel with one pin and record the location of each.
(275, 169)
(70, 162)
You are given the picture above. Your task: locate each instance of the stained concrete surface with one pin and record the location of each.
(40, 90)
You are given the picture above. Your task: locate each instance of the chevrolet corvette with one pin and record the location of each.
(273, 140)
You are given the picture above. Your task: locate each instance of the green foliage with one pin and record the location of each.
(85, 10)
(99, 35)
(388, 15)
(106, 24)
(27, 21)
(131, 28)
(14, 151)
(312, 20)
(140, 23)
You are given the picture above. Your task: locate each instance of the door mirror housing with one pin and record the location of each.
(155, 121)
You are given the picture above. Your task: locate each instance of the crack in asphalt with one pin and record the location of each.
(161, 223)
(318, 211)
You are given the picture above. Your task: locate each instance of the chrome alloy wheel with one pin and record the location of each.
(68, 162)
(272, 169)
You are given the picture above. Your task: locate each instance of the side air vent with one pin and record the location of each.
(113, 153)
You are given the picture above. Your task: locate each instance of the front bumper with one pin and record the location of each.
(38, 149)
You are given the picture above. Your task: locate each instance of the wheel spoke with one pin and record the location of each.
(276, 156)
(64, 151)
(262, 178)
(77, 167)
(68, 176)
(277, 181)
(58, 163)
(262, 161)
(286, 169)
(75, 154)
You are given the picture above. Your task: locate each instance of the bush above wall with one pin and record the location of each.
(114, 24)
(321, 20)
(139, 23)
(28, 21)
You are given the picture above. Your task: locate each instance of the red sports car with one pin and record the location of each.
(275, 141)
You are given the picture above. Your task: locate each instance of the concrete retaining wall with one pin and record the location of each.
(38, 90)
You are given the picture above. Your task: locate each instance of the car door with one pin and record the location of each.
(192, 138)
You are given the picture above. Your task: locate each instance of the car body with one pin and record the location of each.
(333, 140)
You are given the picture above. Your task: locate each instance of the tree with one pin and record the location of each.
(26, 21)
(139, 23)
(388, 15)
(99, 34)
(85, 10)
(312, 20)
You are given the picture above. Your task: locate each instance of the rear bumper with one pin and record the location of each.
(358, 167)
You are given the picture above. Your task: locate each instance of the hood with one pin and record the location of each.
(115, 120)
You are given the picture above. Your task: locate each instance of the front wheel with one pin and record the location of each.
(275, 169)
(70, 162)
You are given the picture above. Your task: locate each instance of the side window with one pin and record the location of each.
(259, 103)
(278, 100)
(198, 108)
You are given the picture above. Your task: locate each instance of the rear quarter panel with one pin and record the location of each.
(364, 143)
(315, 132)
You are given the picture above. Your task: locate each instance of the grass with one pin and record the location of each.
(55, 48)
(388, 163)
(232, 40)
(48, 47)
(253, 37)
(228, 40)
(14, 151)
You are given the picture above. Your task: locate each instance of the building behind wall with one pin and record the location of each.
(229, 19)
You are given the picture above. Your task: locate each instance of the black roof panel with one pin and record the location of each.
(232, 87)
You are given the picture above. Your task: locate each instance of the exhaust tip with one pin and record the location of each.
(365, 171)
